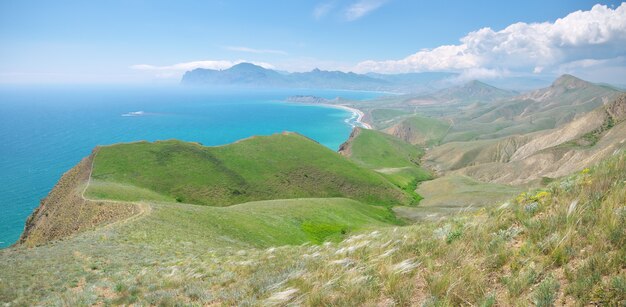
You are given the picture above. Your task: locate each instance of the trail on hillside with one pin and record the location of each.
(143, 207)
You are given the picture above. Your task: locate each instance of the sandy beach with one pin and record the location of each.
(357, 113)
(355, 120)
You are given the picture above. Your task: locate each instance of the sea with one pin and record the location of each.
(46, 130)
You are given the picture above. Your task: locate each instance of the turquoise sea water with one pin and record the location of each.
(44, 131)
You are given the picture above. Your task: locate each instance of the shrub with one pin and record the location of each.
(546, 292)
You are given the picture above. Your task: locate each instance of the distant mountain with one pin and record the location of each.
(244, 74)
(443, 85)
(520, 84)
(337, 79)
(473, 91)
(250, 75)
(417, 82)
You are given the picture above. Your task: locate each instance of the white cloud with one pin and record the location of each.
(252, 50)
(362, 8)
(176, 70)
(322, 9)
(597, 34)
(450, 57)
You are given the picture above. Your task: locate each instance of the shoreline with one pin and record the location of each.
(355, 113)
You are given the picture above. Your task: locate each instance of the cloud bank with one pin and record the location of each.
(581, 38)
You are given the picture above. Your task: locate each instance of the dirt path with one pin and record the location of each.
(142, 207)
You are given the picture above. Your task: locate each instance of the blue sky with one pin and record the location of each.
(134, 41)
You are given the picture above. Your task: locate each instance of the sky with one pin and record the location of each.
(152, 41)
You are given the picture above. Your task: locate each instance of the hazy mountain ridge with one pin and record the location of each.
(250, 75)
(246, 74)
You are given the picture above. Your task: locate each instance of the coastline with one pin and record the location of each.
(355, 113)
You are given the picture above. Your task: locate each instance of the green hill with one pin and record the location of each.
(395, 159)
(258, 168)
(472, 91)
(420, 130)
(563, 245)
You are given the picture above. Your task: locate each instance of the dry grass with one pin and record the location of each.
(540, 249)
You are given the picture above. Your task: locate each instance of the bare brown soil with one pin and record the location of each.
(65, 211)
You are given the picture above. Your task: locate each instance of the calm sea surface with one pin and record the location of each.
(44, 131)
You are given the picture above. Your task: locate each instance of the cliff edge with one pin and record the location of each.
(65, 211)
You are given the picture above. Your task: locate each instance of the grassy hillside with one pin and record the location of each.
(533, 157)
(548, 108)
(383, 118)
(473, 91)
(259, 168)
(395, 159)
(257, 224)
(563, 245)
(451, 194)
(420, 130)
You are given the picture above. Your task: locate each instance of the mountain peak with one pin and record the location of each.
(478, 84)
(246, 66)
(570, 82)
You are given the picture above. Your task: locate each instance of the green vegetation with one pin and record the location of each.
(257, 224)
(259, 168)
(383, 117)
(281, 220)
(463, 191)
(395, 159)
(421, 130)
(453, 193)
(374, 149)
(99, 189)
(565, 244)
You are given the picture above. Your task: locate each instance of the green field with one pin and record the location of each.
(258, 168)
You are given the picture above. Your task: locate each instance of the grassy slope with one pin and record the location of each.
(259, 168)
(257, 224)
(454, 193)
(567, 98)
(382, 118)
(421, 130)
(179, 229)
(563, 245)
(395, 159)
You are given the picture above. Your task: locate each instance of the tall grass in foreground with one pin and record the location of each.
(565, 244)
